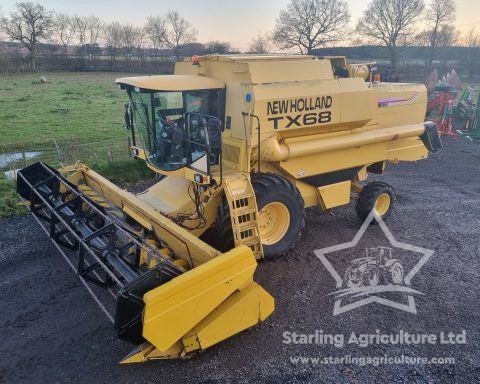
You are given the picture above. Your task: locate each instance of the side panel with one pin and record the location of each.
(313, 107)
(174, 308)
(334, 195)
(400, 104)
(409, 149)
(264, 72)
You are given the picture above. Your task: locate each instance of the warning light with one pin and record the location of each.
(377, 78)
(195, 60)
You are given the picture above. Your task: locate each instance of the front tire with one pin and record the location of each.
(281, 215)
(223, 226)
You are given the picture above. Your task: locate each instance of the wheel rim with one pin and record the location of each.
(273, 222)
(382, 203)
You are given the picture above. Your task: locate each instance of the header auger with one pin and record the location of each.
(244, 144)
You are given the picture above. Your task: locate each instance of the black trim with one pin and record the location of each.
(221, 105)
(130, 305)
(332, 177)
(431, 139)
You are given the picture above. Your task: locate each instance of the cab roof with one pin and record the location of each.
(171, 82)
(244, 58)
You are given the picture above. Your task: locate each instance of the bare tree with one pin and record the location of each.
(113, 40)
(471, 52)
(29, 24)
(1, 25)
(310, 24)
(216, 46)
(389, 22)
(448, 35)
(178, 33)
(129, 41)
(471, 38)
(64, 31)
(439, 16)
(154, 32)
(141, 44)
(94, 29)
(81, 28)
(260, 44)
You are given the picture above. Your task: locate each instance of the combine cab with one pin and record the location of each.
(244, 144)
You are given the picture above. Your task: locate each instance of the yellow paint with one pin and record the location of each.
(171, 82)
(273, 222)
(382, 203)
(174, 308)
(148, 351)
(242, 310)
(243, 212)
(182, 243)
(334, 195)
(363, 174)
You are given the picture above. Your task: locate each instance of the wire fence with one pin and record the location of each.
(58, 155)
(55, 62)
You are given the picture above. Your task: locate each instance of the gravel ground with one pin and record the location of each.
(51, 331)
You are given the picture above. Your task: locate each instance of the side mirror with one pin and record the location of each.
(127, 117)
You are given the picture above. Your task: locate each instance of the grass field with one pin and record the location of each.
(82, 106)
(73, 116)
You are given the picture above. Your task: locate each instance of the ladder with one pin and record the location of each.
(243, 212)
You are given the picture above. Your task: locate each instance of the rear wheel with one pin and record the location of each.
(375, 195)
(281, 215)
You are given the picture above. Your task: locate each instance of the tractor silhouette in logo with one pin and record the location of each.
(377, 267)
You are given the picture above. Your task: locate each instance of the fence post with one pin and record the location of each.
(24, 158)
(58, 150)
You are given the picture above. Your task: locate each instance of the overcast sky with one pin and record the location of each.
(234, 21)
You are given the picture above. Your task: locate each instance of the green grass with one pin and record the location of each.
(81, 112)
(86, 107)
(9, 199)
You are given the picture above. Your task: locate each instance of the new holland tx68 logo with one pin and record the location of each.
(296, 113)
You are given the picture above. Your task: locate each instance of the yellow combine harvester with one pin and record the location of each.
(245, 144)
